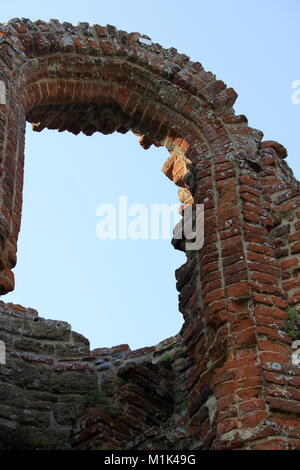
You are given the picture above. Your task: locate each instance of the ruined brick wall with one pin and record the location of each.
(241, 387)
(41, 389)
(57, 394)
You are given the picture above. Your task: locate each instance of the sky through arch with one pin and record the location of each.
(253, 48)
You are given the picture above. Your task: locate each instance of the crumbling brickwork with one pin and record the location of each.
(57, 393)
(236, 372)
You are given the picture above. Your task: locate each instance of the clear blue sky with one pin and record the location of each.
(124, 291)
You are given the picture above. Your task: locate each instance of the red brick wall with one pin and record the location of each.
(234, 293)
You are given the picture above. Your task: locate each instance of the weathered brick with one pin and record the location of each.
(234, 293)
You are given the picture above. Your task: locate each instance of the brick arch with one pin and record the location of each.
(115, 81)
(97, 79)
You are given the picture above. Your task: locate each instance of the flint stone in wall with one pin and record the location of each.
(7, 338)
(11, 324)
(80, 339)
(47, 329)
(71, 350)
(67, 413)
(47, 439)
(8, 393)
(33, 346)
(21, 399)
(26, 375)
(79, 382)
(29, 416)
(41, 397)
(7, 413)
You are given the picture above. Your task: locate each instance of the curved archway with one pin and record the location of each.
(112, 290)
(115, 81)
(97, 79)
